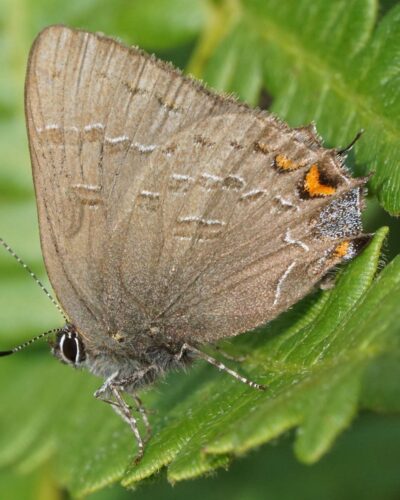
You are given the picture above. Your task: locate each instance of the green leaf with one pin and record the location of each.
(326, 62)
(381, 389)
(17, 485)
(363, 464)
(237, 66)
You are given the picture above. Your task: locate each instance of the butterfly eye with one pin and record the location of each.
(71, 348)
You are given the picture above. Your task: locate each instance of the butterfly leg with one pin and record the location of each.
(139, 406)
(214, 362)
(125, 383)
(142, 410)
(114, 406)
(130, 419)
(122, 409)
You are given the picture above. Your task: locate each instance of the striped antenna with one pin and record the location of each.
(29, 342)
(29, 270)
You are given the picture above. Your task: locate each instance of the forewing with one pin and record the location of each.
(96, 111)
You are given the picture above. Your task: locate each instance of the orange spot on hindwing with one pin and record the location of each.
(285, 163)
(342, 249)
(313, 185)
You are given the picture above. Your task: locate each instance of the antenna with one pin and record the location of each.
(347, 148)
(29, 342)
(33, 275)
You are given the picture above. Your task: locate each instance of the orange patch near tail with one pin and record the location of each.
(342, 249)
(313, 185)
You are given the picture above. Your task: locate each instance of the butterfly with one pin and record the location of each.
(171, 216)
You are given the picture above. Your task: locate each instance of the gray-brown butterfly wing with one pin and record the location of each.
(230, 237)
(96, 111)
(160, 203)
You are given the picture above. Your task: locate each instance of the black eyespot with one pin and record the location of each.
(69, 347)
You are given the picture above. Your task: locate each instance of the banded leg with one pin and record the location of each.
(142, 410)
(131, 420)
(214, 362)
(114, 405)
(123, 410)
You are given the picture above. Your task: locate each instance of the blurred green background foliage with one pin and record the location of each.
(336, 63)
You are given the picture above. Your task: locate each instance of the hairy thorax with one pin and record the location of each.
(138, 360)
